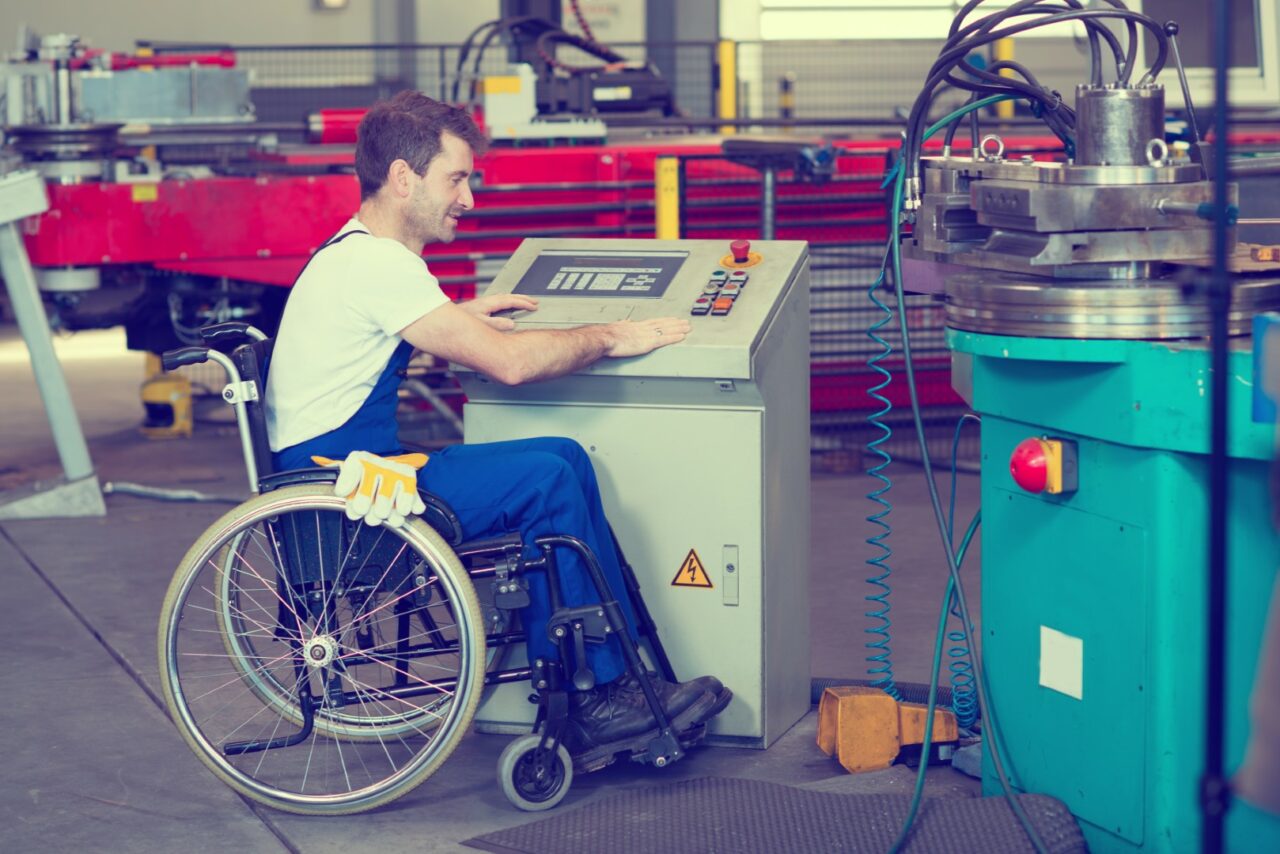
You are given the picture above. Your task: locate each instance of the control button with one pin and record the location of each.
(719, 275)
(701, 305)
(710, 288)
(731, 291)
(1045, 465)
(741, 251)
(722, 305)
(738, 277)
(1029, 465)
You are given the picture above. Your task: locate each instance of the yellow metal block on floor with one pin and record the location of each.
(167, 400)
(865, 728)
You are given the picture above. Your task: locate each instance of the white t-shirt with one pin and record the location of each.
(339, 329)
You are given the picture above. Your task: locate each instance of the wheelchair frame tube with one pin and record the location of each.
(614, 615)
(647, 626)
(233, 393)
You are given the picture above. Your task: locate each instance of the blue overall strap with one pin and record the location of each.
(265, 362)
(373, 428)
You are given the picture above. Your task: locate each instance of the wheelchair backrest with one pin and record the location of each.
(253, 360)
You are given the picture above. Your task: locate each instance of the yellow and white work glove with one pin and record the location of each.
(380, 490)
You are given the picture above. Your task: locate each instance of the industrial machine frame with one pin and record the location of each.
(383, 653)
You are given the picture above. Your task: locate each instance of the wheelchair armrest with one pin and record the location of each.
(507, 542)
(293, 477)
(440, 516)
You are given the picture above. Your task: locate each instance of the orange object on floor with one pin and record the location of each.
(865, 728)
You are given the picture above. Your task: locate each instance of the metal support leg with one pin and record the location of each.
(768, 200)
(77, 494)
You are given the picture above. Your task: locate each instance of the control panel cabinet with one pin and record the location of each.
(701, 449)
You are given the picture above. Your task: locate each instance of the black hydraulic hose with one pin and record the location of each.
(1093, 29)
(973, 125)
(1059, 117)
(501, 26)
(465, 51)
(1214, 791)
(548, 40)
(950, 57)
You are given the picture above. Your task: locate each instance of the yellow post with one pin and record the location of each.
(1003, 50)
(666, 208)
(727, 96)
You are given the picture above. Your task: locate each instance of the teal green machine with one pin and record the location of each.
(1093, 602)
(1072, 326)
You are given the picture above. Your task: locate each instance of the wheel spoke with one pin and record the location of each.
(238, 627)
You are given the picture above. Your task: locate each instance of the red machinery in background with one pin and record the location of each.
(192, 244)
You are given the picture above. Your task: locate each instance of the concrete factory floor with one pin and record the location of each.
(91, 760)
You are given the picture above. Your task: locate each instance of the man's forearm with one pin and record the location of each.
(546, 354)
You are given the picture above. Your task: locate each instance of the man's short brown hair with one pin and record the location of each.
(408, 127)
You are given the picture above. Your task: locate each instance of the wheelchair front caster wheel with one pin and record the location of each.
(534, 780)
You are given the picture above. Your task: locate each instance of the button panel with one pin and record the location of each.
(721, 290)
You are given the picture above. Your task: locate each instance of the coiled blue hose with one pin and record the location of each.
(964, 699)
(879, 655)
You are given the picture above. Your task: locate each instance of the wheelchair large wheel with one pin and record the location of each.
(249, 651)
(319, 665)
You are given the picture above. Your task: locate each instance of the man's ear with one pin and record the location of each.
(398, 178)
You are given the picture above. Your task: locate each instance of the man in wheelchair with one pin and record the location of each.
(362, 305)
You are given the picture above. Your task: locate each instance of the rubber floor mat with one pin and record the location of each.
(717, 814)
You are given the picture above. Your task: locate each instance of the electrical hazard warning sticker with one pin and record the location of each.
(692, 573)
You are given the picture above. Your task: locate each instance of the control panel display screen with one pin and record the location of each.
(630, 274)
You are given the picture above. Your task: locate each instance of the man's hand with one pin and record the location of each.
(484, 308)
(637, 337)
(378, 489)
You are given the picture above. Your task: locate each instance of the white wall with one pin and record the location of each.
(116, 25)
(449, 22)
(740, 19)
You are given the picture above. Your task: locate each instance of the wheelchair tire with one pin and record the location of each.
(387, 660)
(528, 787)
(240, 646)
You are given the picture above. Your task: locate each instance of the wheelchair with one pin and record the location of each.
(325, 666)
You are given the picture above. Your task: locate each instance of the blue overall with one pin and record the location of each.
(534, 486)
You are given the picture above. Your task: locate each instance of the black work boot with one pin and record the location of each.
(610, 719)
(674, 696)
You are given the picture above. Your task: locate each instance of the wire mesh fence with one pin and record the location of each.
(842, 219)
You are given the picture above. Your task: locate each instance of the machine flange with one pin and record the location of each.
(1150, 309)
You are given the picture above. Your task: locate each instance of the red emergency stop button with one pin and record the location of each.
(740, 255)
(1028, 465)
(1045, 464)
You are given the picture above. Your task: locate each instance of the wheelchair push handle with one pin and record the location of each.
(233, 332)
(174, 359)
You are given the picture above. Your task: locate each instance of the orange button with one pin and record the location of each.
(722, 304)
